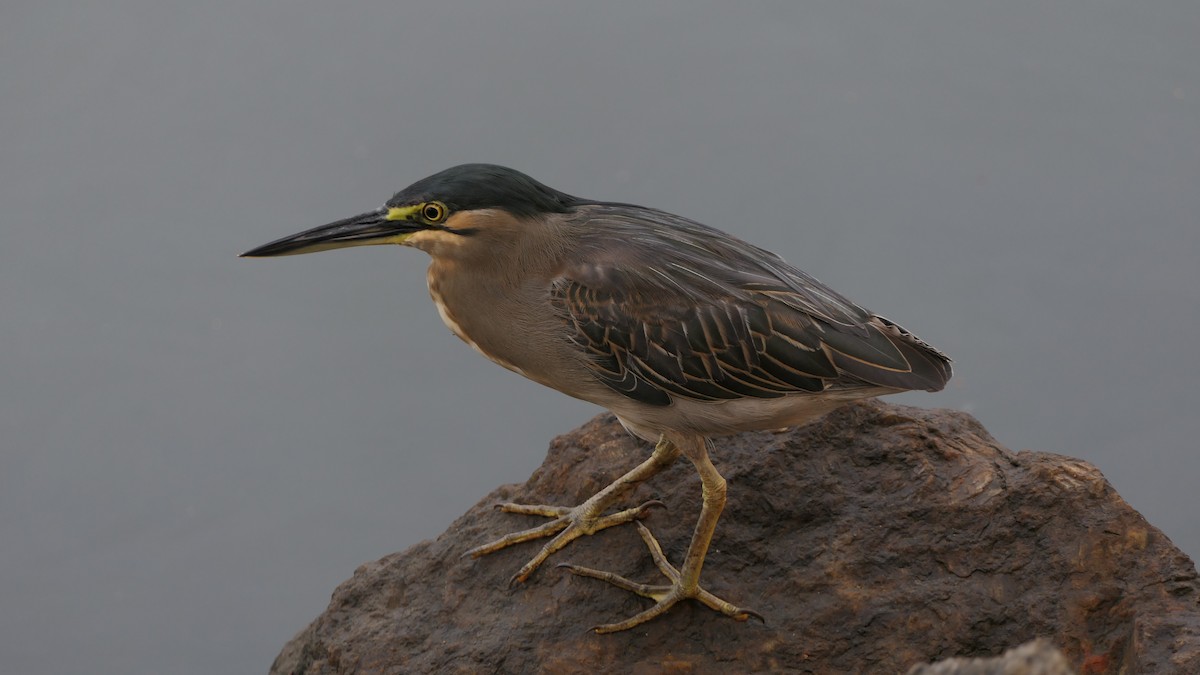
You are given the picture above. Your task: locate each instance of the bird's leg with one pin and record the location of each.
(685, 582)
(571, 523)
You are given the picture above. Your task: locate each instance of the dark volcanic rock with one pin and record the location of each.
(873, 539)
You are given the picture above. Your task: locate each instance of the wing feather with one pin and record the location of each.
(667, 308)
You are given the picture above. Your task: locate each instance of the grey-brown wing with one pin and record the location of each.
(687, 311)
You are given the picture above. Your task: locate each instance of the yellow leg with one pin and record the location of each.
(571, 523)
(685, 583)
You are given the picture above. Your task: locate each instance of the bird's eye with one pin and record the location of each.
(433, 211)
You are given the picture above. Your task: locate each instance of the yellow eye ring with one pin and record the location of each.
(433, 211)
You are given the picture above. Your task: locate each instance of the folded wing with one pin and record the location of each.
(677, 309)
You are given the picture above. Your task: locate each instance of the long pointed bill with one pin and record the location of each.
(392, 226)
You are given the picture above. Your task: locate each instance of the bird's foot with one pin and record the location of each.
(665, 597)
(568, 525)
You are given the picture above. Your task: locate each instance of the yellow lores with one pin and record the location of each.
(427, 212)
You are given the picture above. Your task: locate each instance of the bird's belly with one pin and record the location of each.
(723, 418)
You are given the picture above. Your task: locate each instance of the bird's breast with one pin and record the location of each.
(446, 311)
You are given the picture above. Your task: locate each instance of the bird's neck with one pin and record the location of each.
(469, 303)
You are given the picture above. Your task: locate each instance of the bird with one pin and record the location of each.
(683, 331)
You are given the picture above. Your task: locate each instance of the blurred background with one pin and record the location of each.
(196, 449)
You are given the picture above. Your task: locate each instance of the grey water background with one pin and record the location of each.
(195, 449)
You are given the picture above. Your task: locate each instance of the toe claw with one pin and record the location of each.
(567, 567)
(516, 580)
(645, 508)
(751, 613)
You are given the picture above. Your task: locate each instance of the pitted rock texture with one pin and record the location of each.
(876, 538)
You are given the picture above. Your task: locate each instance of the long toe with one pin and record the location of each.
(665, 596)
(568, 524)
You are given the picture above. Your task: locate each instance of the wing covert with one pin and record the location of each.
(682, 310)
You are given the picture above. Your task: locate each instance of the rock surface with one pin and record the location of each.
(873, 539)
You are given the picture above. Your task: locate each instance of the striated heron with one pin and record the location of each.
(681, 330)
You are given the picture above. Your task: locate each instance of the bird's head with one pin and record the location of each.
(446, 211)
